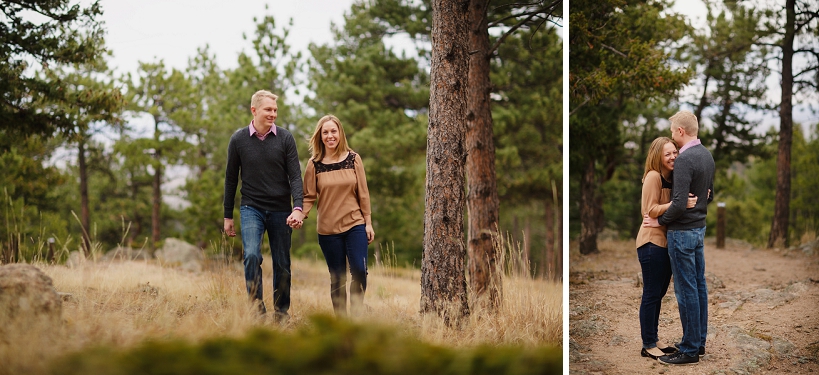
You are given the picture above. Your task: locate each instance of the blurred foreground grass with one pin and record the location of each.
(140, 317)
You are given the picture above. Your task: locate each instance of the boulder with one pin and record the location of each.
(26, 293)
(179, 253)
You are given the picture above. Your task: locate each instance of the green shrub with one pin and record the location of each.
(326, 346)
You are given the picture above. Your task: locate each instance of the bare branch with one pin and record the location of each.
(806, 83)
(506, 34)
(579, 106)
(814, 68)
(514, 16)
(613, 50)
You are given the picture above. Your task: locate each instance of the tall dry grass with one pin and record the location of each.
(120, 304)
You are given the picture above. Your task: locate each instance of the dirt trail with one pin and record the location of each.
(763, 312)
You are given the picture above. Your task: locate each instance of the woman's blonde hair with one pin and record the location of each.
(317, 146)
(654, 158)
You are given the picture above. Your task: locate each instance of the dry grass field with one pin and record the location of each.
(123, 303)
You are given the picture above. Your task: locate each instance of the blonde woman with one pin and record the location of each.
(652, 246)
(335, 183)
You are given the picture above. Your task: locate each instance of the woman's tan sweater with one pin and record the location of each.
(655, 200)
(339, 191)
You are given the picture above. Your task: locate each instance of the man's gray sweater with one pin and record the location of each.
(693, 173)
(270, 171)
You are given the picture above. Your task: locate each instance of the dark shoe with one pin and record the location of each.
(669, 350)
(679, 359)
(701, 351)
(645, 353)
(260, 306)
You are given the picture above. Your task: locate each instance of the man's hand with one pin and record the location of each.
(692, 200)
(296, 219)
(370, 233)
(229, 230)
(650, 222)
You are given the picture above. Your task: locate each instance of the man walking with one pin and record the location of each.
(265, 156)
(693, 173)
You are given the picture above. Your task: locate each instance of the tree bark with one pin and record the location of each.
(85, 215)
(779, 226)
(482, 196)
(443, 281)
(588, 211)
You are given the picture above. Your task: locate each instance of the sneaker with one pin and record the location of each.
(679, 359)
(701, 351)
(669, 350)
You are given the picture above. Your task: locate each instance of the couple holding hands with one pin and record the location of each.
(266, 158)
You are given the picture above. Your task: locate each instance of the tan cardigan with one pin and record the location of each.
(655, 201)
(339, 191)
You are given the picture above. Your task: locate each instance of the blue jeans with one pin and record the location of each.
(339, 249)
(254, 224)
(686, 250)
(656, 268)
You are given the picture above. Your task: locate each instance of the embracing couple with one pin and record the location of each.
(678, 184)
(266, 158)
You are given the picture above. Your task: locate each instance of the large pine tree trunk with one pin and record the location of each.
(85, 215)
(588, 211)
(482, 196)
(779, 226)
(443, 282)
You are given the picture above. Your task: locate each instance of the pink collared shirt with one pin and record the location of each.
(261, 136)
(690, 144)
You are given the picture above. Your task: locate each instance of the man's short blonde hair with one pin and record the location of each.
(256, 99)
(685, 120)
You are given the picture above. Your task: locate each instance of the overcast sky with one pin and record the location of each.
(172, 30)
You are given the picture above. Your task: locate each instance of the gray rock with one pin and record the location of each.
(782, 346)
(617, 340)
(179, 253)
(27, 294)
(713, 281)
(755, 351)
(588, 327)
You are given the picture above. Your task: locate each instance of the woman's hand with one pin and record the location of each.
(692, 201)
(370, 233)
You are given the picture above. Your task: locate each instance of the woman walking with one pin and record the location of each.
(335, 183)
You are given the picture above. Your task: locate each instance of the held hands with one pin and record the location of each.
(296, 219)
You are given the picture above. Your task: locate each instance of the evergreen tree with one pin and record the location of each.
(617, 56)
(382, 99)
(70, 34)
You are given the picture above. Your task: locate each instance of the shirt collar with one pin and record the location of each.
(690, 144)
(263, 136)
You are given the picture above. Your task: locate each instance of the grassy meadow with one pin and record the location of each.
(121, 305)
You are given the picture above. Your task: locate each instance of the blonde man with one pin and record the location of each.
(265, 157)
